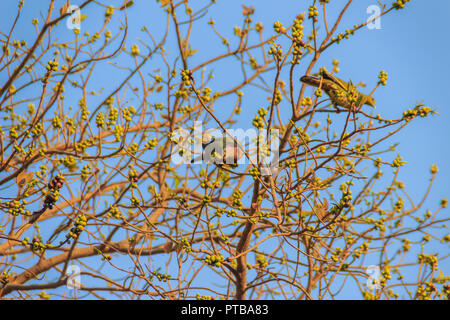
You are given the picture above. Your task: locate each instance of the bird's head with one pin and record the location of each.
(370, 101)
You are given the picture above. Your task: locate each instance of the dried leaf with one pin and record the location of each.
(321, 213)
(361, 84)
(64, 8)
(325, 204)
(127, 4)
(321, 210)
(246, 11)
(164, 2)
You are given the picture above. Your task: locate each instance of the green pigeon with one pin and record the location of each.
(341, 93)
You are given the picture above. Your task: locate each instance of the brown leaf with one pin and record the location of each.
(321, 210)
(361, 84)
(246, 11)
(321, 213)
(164, 2)
(127, 4)
(325, 204)
(64, 8)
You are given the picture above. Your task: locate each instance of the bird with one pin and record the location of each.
(220, 150)
(22, 181)
(341, 93)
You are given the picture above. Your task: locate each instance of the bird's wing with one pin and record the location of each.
(339, 82)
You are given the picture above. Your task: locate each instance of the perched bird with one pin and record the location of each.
(220, 150)
(22, 180)
(341, 93)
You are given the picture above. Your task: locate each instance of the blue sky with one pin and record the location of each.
(412, 47)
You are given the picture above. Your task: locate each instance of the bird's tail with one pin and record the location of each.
(312, 81)
(36, 215)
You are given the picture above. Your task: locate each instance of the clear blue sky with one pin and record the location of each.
(412, 46)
